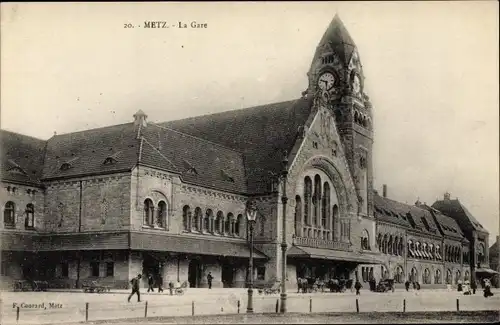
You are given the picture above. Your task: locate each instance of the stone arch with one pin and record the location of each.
(343, 185)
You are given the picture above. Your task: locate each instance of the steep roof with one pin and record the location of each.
(261, 134)
(409, 216)
(459, 212)
(21, 157)
(338, 38)
(447, 225)
(198, 161)
(85, 152)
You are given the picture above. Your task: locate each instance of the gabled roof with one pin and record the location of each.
(447, 225)
(338, 38)
(21, 157)
(261, 134)
(459, 212)
(402, 214)
(86, 151)
(170, 149)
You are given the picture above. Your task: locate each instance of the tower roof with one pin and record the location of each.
(337, 36)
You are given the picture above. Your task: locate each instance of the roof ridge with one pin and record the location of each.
(24, 135)
(93, 129)
(194, 137)
(145, 140)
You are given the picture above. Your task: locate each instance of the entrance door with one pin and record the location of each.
(194, 273)
(227, 275)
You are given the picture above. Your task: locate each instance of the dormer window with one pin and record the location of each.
(109, 161)
(226, 177)
(65, 166)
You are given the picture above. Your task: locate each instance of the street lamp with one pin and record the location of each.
(284, 200)
(251, 213)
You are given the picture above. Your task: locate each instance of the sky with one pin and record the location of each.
(431, 72)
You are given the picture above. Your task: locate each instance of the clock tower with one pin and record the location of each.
(336, 78)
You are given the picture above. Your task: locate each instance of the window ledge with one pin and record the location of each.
(29, 228)
(153, 227)
(9, 226)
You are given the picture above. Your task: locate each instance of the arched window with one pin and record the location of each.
(227, 224)
(384, 244)
(448, 276)
(400, 246)
(325, 209)
(161, 217)
(414, 275)
(186, 217)
(316, 199)
(206, 221)
(427, 276)
(29, 222)
(399, 276)
(196, 225)
(149, 209)
(9, 214)
(219, 220)
(457, 276)
(307, 199)
(395, 245)
(335, 217)
(238, 225)
(437, 277)
(298, 215)
(365, 240)
(379, 242)
(389, 245)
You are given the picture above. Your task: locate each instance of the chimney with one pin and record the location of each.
(447, 196)
(140, 118)
(384, 190)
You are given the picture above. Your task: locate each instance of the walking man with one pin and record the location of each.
(160, 283)
(151, 282)
(209, 280)
(357, 286)
(407, 285)
(135, 288)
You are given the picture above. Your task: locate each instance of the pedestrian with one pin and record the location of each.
(151, 282)
(473, 286)
(487, 289)
(209, 280)
(418, 285)
(407, 285)
(135, 288)
(357, 286)
(160, 283)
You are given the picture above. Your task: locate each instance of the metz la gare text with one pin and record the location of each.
(180, 24)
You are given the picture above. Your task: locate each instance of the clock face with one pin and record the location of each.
(326, 81)
(356, 84)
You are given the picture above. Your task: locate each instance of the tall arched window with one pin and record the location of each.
(307, 199)
(399, 276)
(9, 214)
(335, 218)
(427, 276)
(414, 275)
(227, 225)
(161, 217)
(379, 242)
(239, 224)
(218, 225)
(437, 277)
(448, 276)
(148, 212)
(298, 215)
(395, 245)
(196, 225)
(325, 210)
(316, 200)
(186, 217)
(365, 240)
(384, 244)
(29, 222)
(389, 245)
(457, 276)
(206, 221)
(400, 246)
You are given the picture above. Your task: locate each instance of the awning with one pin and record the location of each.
(486, 270)
(190, 244)
(330, 254)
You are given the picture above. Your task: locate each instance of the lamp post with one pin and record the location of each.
(284, 200)
(251, 213)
